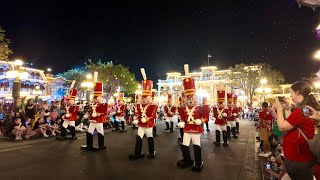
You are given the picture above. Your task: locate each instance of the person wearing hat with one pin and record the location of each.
(121, 111)
(170, 113)
(192, 125)
(181, 114)
(154, 129)
(70, 117)
(205, 109)
(232, 114)
(97, 116)
(147, 112)
(220, 115)
(237, 111)
(135, 113)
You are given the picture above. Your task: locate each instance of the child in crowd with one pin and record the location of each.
(18, 129)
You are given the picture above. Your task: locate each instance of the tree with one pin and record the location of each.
(112, 76)
(247, 77)
(77, 74)
(5, 51)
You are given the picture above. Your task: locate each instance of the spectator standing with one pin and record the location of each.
(264, 128)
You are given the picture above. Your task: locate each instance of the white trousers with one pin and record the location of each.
(221, 127)
(237, 119)
(98, 126)
(187, 137)
(231, 124)
(171, 119)
(120, 118)
(67, 123)
(145, 131)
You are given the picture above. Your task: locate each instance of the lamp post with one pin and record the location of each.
(17, 73)
(88, 85)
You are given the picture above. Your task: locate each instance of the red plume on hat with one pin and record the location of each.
(72, 94)
(146, 85)
(169, 97)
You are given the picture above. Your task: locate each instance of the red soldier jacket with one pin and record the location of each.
(148, 111)
(73, 111)
(121, 110)
(101, 109)
(191, 113)
(231, 111)
(205, 112)
(170, 111)
(220, 120)
(181, 112)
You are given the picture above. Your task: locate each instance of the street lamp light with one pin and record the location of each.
(17, 73)
(37, 92)
(88, 85)
(317, 55)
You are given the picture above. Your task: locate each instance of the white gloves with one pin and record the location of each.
(94, 114)
(135, 122)
(224, 114)
(86, 116)
(143, 120)
(235, 114)
(181, 125)
(198, 122)
(67, 115)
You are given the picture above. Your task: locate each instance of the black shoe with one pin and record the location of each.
(217, 144)
(73, 138)
(99, 148)
(208, 130)
(197, 167)
(179, 139)
(123, 130)
(61, 138)
(155, 135)
(198, 164)
(151, 156)
(225, 144)
(186, 161)
(135, 157)
(86, 148)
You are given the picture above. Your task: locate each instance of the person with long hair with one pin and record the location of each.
(298, 157)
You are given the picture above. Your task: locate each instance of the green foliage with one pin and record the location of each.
(112, 76)
(5, 51)
(247, 77)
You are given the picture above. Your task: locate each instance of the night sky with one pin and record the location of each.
(163, 35)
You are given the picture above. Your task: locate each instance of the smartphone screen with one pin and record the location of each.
(267, 166)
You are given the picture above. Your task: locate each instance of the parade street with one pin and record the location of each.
(50, 159)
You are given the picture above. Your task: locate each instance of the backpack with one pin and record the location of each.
(314, 144)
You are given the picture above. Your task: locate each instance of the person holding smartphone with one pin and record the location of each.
(298, 157)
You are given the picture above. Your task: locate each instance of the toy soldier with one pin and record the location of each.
(206, 111)
(121, 111)
(193, 126)
(147, 113)
(70, 117)
(231, 112)
(220, 115)
(97, 116)
(170, 113)
(238, 111)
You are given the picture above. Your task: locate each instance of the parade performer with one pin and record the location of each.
(181, 114)
(121, 111)
(97, 116)
(170, 113)
(220, 115)
(237, 110)
(146, 120)
(192, 125)
(135, 113)
(155, 134)
(70, 117)
(232, 114)
(206, 108)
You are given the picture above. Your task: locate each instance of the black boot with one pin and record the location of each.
(186, 161)
(218, 137)
(100, 143)
(207, 124)
(237, 127)
(234, 134)
(73, 133)
(152, 152)
(198, 164)
(167, 125)
(228, 132)
(171, 126)
(133, 126)
(225, 138)
(88, 146)
(181, 134)
(154, 130)
(123, 127)
(137, 153)
(63, 134)
(116, 126)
